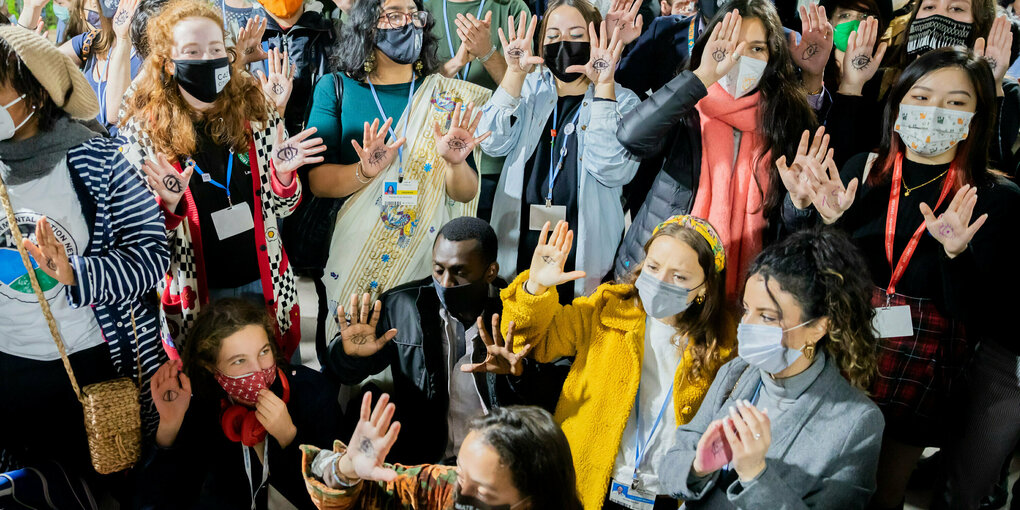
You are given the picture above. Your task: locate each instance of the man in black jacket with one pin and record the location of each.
(425, 331)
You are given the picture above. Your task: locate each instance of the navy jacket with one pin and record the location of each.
(657, 56)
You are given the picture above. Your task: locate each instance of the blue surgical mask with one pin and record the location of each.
(762, 346)
(61, 12)
(661, 299)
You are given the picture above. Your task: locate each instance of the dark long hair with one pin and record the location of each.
(868, 7)
(219, 320)
(536, 452)
(971, 154)
(356, 43)
(828, 277)
(784, 107)
(707, 325)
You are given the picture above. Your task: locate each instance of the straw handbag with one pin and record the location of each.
(112, 413)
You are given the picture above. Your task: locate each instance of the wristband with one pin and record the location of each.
(488, 55)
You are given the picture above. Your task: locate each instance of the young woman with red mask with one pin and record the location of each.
(231, 417)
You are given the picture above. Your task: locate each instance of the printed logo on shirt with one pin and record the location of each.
(14, 280)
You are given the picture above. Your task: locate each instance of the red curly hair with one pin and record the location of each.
(168, 119)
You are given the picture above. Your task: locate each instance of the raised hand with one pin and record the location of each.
(605, 53)
(749, 434)
(459, 141)
(861, 59)
(499, 354)
(830, 198)
(475, 34)
(358, 333)
(722, 50)
(279, 83)
(996, 49)
(168, 183)
(812, 52)
(623, 15)
(953, 228)
(249, 40)
(272, 413)
(517, 49)
(171, 394)
(549, 258)
(371, 441)
(374, 153)
(122, 19)
(713, 451)
(295, 152)
(50, 254)
(795, 179)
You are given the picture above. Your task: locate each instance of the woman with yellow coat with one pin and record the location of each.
(646, 353)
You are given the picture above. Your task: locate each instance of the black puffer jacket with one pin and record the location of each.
(668, 124)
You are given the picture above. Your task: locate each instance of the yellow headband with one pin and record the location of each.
(705, 229)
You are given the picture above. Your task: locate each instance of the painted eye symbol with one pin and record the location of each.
(860, 61)
(600, 64)
(287, 153)
(515, 52)
(456, 144)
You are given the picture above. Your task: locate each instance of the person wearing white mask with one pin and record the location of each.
(646, 351)
(95, 244)
(787, 424)
(714, 125)
(938, 294)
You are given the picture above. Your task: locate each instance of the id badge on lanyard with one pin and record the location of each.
(236, 218)
(539, 214)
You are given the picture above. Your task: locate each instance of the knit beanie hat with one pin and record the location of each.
(54, 70)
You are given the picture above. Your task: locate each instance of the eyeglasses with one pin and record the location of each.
(400, 19)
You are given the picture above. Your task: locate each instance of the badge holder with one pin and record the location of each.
(539, 214)
(892, 321)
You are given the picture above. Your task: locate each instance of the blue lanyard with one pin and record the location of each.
(449, 37)
(400, 151)
(230, 170)
(554, 171)
(103, 85)
(223, 11)
(640, 451)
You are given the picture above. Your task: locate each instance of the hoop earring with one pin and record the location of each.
(700, 299)
(809, 352)
(370, 63)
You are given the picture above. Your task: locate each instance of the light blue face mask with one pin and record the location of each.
(661, 299)
(762, 346)
(61, 12)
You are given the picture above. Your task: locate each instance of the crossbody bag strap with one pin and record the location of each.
(45, 305)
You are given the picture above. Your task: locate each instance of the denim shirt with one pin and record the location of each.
(603, 167)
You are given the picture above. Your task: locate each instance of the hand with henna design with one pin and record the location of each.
(724, 48)
(605, 54)
(517, 49)
(294, 152)
(861, 59)
(279, 82)
(171, 393)
(375, 154)
(50, 254)
(549, 258)
(357, 333)
(370, 443)
(953, 228)
(459, 141)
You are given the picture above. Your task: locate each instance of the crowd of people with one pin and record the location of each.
(566, 254)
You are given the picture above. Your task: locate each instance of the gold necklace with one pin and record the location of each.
(908, 190)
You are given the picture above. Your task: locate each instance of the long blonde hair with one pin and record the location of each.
(161, 109)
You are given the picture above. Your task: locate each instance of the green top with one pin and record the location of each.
(338, 126)
(500, 10)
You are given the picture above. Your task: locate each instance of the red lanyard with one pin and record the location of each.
(890, 222)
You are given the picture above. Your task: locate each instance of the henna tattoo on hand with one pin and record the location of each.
(809, 52)
(169, 396)
(600, 64)
(860, 62)
(719, 55)
(457, 144)
(287, 153)
(548, 260)
(366, 447)
(277, 89)
(172, 183)
(377, 157)
(50, 264)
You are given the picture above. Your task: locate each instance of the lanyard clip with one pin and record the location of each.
(548, 202)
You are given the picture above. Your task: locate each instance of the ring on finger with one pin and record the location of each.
(757, 437)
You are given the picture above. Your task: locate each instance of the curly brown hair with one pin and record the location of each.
(708, 325)
(826, 274)
(161, 109)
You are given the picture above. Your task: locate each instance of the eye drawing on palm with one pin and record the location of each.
(457, 144)
(122, 17)
(277, 89)
(992, 62)
(810, 52)
(719, 55)
(172, 184)
(860, 61)
(946, 231)
(377, 157)
(600, 64)
(287, 153)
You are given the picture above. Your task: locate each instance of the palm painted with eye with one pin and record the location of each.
(605, 54)
(295, 152)
(371, 442)
(550, 257)
(500, 357)
(953, 228)
(459, 141)
(376, 155)
(517, 44)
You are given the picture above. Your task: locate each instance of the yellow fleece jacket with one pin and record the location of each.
(606, 334)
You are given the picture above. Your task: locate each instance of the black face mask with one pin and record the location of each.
(463, 502)
(402, 45)
(465, 302)
(203, 79)
(936, 32)
(563, 54)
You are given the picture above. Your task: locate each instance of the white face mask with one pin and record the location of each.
(762, 346)
(744, 77)
(7, 127)
(930, 130)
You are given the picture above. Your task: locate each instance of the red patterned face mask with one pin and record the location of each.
(245, 388)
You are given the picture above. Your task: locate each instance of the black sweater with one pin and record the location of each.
(204, 469)
(978, 286)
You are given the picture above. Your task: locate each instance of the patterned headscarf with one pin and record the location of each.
(705, 229)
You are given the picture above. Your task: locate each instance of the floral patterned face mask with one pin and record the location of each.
(245, 388)
(930, 130)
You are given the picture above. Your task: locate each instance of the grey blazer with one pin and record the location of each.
(824, 450)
